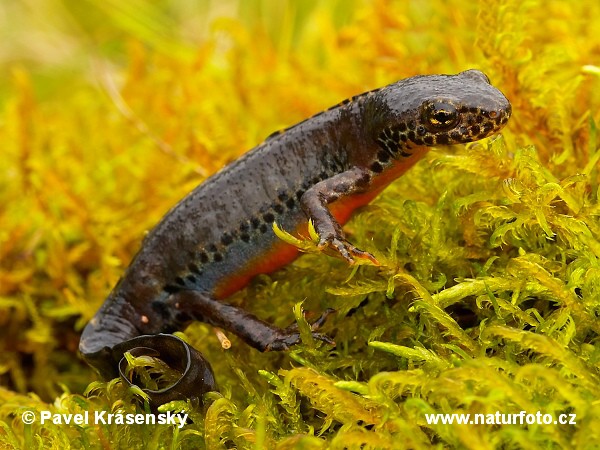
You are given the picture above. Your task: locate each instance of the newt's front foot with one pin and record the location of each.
(344, 248)
(315, 203)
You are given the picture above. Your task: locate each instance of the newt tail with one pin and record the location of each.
(219, 236)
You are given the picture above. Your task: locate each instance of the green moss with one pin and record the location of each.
(488, 293)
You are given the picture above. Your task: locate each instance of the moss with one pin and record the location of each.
(487, 296)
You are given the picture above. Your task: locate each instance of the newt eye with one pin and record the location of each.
(439, 116)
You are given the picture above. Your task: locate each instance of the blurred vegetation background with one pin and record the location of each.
(57, 40)
(111, 111)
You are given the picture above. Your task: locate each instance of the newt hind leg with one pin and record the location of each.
(196, 375)
(254, 331)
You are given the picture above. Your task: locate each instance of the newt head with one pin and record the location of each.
(431, 110)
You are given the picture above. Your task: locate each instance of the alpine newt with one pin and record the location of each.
(221, 234)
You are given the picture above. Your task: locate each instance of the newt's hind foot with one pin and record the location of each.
(287, 340)
(287, 337)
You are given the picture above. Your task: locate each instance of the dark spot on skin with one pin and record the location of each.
(290, 203)
(255, 221)
(421, 130)
(299, 194)
(170, 289)
(244, 227)
(226, 239)
(388, 147)
(428, 140)
(376, 167)
(403, 137)
(333, 196)
(160, 307)
(402, 127)
(282, 196)
(194, 268)
(479, 119)
(191, 279)
(263, 228)
(578, 292)
(245, 237)
(269, 218)
(183, 317)
(315, 180)
(392, 148)
(278, 208)
(477, 129)
(412, 136)
(487, 127)
(179, 281)
(364, 180)
(212, 248)
(203, 257)
(383, 156)
(218, 257)
(412, 125)
(456, 136)
(443, 139)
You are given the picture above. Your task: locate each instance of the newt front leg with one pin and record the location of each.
(315, 203)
